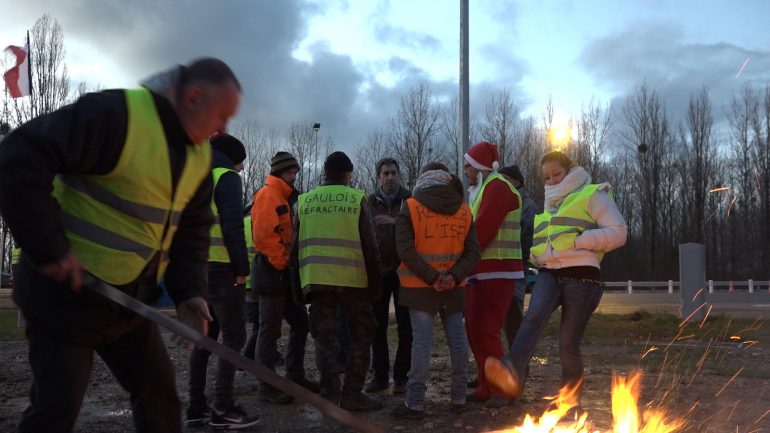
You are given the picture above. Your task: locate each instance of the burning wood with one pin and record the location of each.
(625, 413)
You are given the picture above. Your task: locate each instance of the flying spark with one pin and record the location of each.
(720, 189)
(740, 71)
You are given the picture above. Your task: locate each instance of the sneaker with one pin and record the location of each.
(503, 376)
(496, 402)
(377, 385)
(457, 408)
(305, 383)
(359, 402)
(269, 393)
(399, 388)
(234, 418)
(404, 412)
(197, 415)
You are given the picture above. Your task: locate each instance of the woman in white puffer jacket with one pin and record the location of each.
(580, 223)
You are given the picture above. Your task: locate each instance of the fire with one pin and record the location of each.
(625, 412)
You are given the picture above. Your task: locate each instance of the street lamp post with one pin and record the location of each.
(316, 127)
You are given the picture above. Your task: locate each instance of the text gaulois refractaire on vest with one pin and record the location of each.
(325, 203)
(442, 229)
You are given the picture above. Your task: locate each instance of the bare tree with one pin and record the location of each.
(648, 132)
(450, 133)
(696, 163)
(367, 155)
(500, 122)
(412, 133)
(303, 144)
(50, 80)
(261, 145)
(594, 129)
(530, 145)
(760, 126)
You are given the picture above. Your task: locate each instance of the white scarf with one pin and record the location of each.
(555, 194)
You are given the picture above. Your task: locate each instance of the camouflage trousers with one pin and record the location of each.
(357, 307)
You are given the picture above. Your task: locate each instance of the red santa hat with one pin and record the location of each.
(483, 156)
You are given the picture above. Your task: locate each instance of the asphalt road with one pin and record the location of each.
(737, 304)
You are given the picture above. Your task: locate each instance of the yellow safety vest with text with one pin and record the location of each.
(217, 249)
(117, 222)
(570, 220)
(329, 241)
(507, 242)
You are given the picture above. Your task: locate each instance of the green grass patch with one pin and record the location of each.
(9, 330)
(642, 326)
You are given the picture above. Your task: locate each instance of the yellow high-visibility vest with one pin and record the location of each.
(250, 247)
(329, 242)
(507, 242)
(570, 220)
(15, 255)
(217, 249)
(117, 222)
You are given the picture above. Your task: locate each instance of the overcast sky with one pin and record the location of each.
(346, 64)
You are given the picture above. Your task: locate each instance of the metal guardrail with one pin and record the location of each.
(751, 285)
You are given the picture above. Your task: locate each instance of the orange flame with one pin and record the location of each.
(625, 412)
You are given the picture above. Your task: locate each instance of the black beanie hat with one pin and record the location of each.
(230, 146)
(513, 172)
(337, 162)
(281, 162)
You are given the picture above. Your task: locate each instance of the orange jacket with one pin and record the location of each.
(271, 221)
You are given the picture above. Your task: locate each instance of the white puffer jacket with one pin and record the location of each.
(610, 235)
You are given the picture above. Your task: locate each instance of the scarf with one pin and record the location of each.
(432, 178)
(555, 194)
(389, 198)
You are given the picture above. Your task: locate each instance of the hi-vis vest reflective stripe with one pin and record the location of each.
(250, 247)
(15, 255)
(562, 228)
(507, 241)
(116, 223)
(217, 249)
(329, 241)
(439, 239)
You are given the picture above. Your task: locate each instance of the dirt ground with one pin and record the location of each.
(704, 393)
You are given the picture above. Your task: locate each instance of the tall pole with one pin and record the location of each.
(463, 142)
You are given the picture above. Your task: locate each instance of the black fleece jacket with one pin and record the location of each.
(228, 197)
(87, 137)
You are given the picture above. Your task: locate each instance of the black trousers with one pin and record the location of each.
(252, 316)
(380, 350)
(227, 301)
(64, 329)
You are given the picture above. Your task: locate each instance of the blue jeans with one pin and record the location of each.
(422, 343)
(578, 300)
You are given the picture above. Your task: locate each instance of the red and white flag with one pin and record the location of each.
(17, 78)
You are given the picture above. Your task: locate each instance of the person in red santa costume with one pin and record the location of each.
(496, 207)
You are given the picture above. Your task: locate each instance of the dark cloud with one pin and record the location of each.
(672, 66)
(257, 39)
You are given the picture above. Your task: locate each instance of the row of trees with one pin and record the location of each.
(677, 177)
